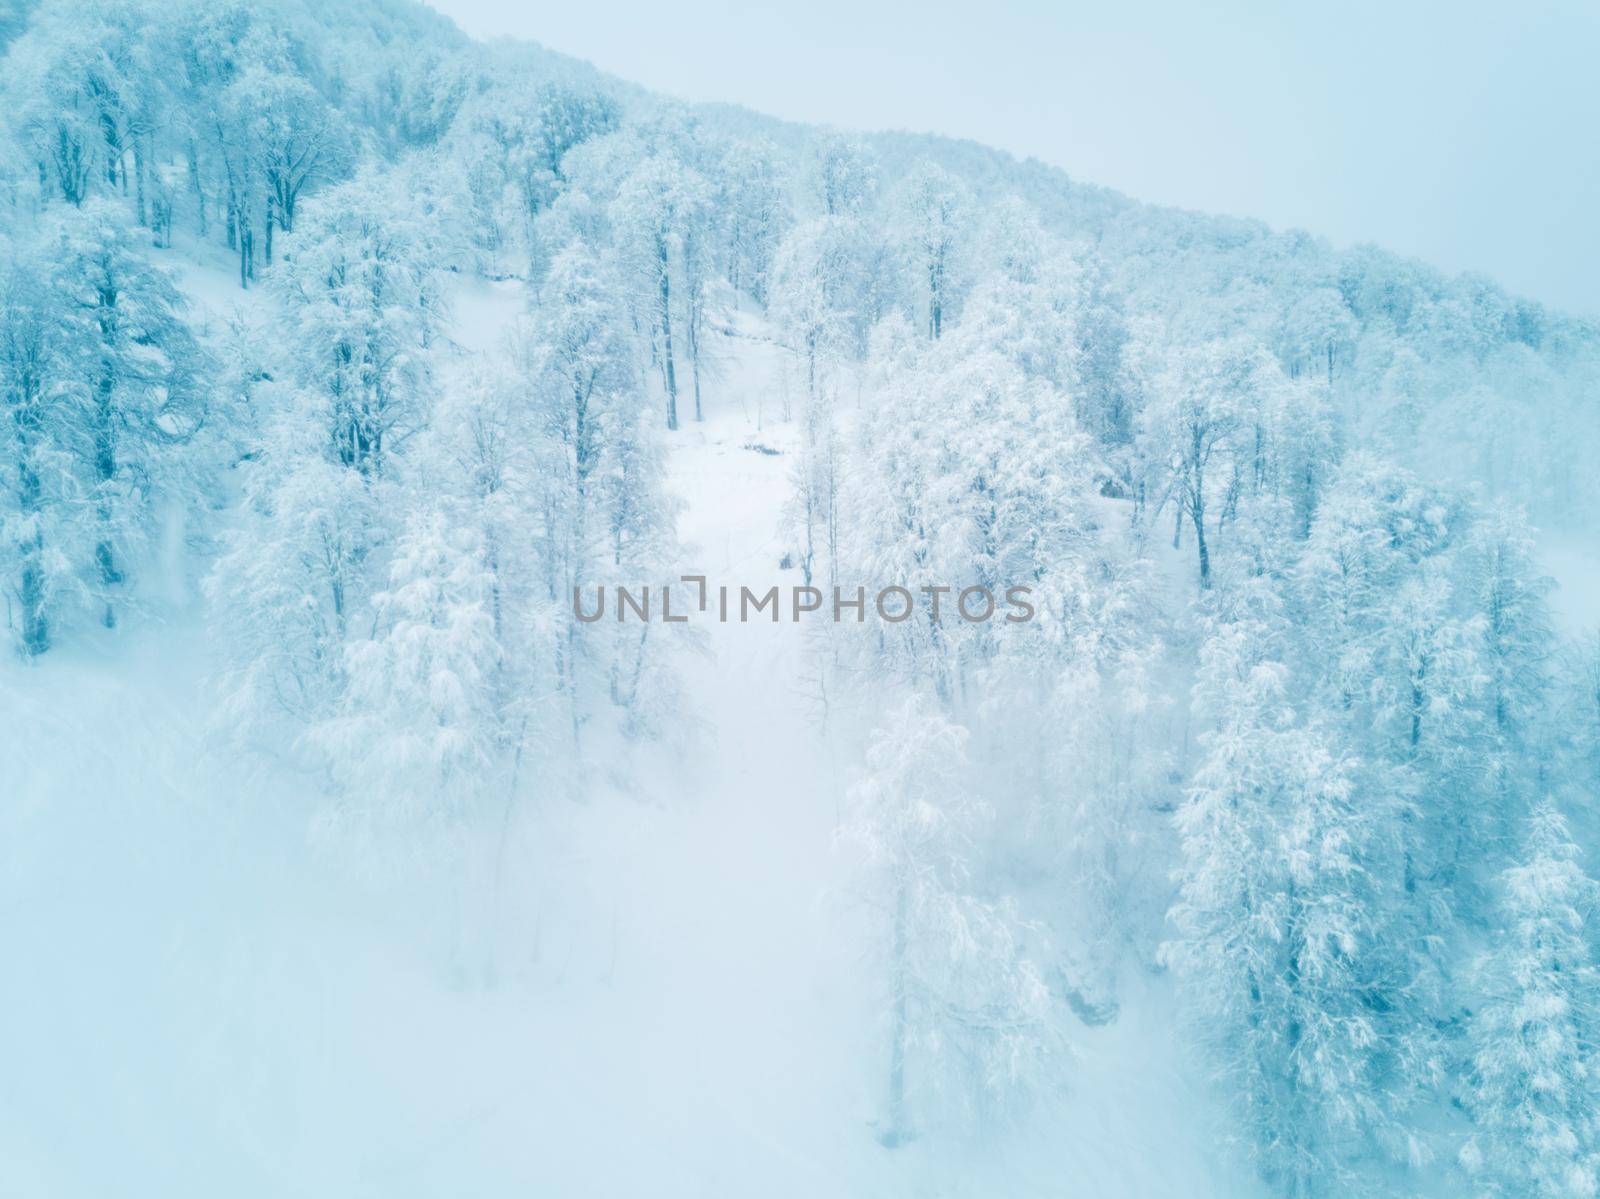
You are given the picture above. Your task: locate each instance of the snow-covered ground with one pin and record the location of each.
(675, 1000)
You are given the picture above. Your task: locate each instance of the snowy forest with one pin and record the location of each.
(340, 854)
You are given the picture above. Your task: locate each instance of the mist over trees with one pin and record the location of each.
(1293, 728)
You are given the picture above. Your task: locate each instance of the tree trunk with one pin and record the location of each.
(666, 334)
(105, 469)
(247, 251)
(138, 178)
(35, 623)
(694, 361)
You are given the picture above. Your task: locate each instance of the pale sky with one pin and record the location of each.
(1467, 134)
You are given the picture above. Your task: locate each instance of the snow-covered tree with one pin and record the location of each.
(140, 386)
(322, 491)
(659, 210)
(967, 473)
(414, 99)
(362, 309)
(1536, 1059)
(935, 220)
(1279, 917)
(1508, 593)
(847, 176)
(88, 96)
(754, 212)
(969, 1016)
(598, 497)
(297, 571)
(416, 724)
(41, 407)
(1194, 434)
(1374, 525)
(293, 136)
(813, 297)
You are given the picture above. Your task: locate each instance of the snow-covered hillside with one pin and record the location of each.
(1145, 753)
